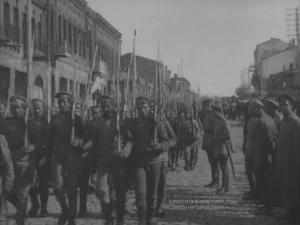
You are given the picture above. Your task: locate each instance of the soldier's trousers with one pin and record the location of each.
(173, 156)
(162, 186)
(65, 171)
(249, 168)
(214, 167)
(112, 176)
(147, 180)
(262, 174)
(222, 161)
(24, 177)
(84, 176)
(41, 187)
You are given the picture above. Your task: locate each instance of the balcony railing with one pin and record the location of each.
(10, 34)
(61, 49)
(40, 51)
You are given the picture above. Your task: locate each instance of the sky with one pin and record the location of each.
(214, 38)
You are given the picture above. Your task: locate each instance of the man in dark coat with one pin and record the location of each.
(150, 139)
(111, 162)
(24, 157)
(207, 143)
(288, 158)
(65, 144)
(7, 177)
(40, 130)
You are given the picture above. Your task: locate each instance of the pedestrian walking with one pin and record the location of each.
(40, 132)
(66, 153)
(24, 157)
(146, 155)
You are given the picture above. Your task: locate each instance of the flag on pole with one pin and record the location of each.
(98, 84)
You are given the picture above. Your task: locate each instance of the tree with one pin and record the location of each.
(255, 80)
(243, 91)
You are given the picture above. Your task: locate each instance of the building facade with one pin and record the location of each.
(66, 34)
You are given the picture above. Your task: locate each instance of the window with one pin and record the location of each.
(75, 46)
(53, 89)
(16, 17)
(40, 35)
(65, 29)
(84, 45)
(70, 34)
(4, 83)
(6, 20)
(36, 39)
(52, 22)
(59, 28)
(82, 90)
(24, 32)
(63, 84)
(20, 80)
(71, 87)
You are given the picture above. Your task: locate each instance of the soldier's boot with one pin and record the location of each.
(44, 211)
(142, 215)
(82, 207)
(63, 217)
(107, 211)
(21, 213)
(71, 221)
(120, 213)
(150, 216)
(35, 206)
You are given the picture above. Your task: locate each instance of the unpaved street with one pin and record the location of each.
(191, 201)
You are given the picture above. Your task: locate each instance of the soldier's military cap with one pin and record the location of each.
(217, 104)
(140, 101)
(206, 101)
(106, 98)
(63, 93)
(35, 100)
(286, 98)
(17, 99)
(257, 102)
(272, 102)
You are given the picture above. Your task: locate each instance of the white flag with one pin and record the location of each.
(99, 84)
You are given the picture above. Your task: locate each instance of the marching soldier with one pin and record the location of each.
(163, 172)
(287, 158)
(14, 130)
(264, 147)
(40, 129)
(146, 155)
(7, 176)
(88, 163)
(208, 144)
(111, 163)
(188, 135)
(272, 109)
(66, 156)
(221, 135)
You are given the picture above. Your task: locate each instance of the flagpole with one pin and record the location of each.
(134, 77)
(118, 96)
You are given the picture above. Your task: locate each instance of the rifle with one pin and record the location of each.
(229, 155)
(118, 100)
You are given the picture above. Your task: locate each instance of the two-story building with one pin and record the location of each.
(66, 34)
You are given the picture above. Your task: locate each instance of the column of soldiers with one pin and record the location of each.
(271, 147)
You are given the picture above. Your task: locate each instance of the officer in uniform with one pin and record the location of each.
(163, 172)
(146, 155)
(221, 135)
(208, 144)
(272, 109)
(111, 163)
(7, 177)
(88, 163)
(14, 130)
(66, 156)
(40, 130)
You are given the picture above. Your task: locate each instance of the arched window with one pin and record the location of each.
(39, 81)
(63, 84)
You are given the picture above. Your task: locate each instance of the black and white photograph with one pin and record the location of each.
(149, 112)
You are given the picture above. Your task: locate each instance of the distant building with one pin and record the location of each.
(66, 32)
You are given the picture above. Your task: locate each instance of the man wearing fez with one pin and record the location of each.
(39, 131)
(14, 130)
(66, 155)
(146, 155)
(188, 135)
(221, 135)
(262, 150)
(88, 163)
(287, 158)
(208, 143)
(7, 177)
(111, 163)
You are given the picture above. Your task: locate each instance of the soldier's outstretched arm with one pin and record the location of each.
(9, 175)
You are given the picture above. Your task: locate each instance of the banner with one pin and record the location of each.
(99, 84)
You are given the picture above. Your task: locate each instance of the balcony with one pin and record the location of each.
(40, 51)
(10, 36)
(61, 49)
